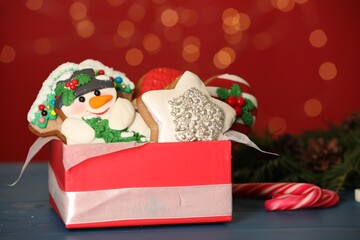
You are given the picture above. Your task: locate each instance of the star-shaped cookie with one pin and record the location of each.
(185, 112)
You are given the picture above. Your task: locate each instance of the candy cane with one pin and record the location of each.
(288, 196)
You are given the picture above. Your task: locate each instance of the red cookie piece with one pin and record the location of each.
(236, 92)
(156, 79)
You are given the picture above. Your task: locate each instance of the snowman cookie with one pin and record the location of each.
(185, 111)
(79, 103)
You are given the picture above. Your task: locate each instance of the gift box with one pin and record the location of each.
(124, 184)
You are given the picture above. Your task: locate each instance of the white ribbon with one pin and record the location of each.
(242, 138)
(34, 149)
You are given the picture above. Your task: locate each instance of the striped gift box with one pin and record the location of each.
(99, 185)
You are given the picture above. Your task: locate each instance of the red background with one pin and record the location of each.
(275, 53)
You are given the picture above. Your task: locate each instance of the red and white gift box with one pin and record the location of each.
(99, 185)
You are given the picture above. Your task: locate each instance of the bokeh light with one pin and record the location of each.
(125, 29)
(7, 54)
(134, 57)
(327, 71)
(318, 38)
(42, 46)
(152, 43)
(283, 5)
(191, 49)
(233, 21)
(78, 11)
(277, 126)
(169, 17)
(136, 12)
(34, 5)
(312, 107)
(223, 58)
(234, 38)
(85, 28)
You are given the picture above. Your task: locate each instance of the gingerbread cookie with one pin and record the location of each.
(185, 112)
(236, 92)
(79, 103)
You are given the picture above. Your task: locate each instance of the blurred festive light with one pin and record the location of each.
(234, 38)
(42, 46)
(312, 107)
(277, 126)
(125, 29)
(7, 54)
(318, 38)
(173, 34)
(188, 17)
(116, 3)
(191, 49)
(262, 40)
(327, 71)
(224, 57)
(134, 56)
(192, 40)
(120, 42)
(34, 5)
(78, 11)
(152, 43)
(169, 17)
(85, 28)
(136, 12)
(233, 21)
(283, 5)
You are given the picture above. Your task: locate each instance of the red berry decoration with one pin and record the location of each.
(101, 72)
(74, 81)
(238, 110)
(41, 107)
(67, 84)
(231, 100)
(72, 87)
(240, 101)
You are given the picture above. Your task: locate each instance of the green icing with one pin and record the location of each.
(102, 130)
(83, 78)
(236, 91)
(49, 107)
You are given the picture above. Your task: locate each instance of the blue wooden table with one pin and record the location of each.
(25, 213)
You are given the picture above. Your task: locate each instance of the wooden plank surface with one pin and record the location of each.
(25, 213)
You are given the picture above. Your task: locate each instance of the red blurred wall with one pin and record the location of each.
(274, 53)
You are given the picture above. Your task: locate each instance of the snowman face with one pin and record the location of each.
(92, 104)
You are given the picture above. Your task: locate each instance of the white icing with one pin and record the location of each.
(233, 78)
(122, 114)
(157, 104)
(77, 131)
(127, 134)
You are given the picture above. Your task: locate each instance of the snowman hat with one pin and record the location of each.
(57, 91)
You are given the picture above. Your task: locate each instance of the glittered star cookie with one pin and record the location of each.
(184, 112)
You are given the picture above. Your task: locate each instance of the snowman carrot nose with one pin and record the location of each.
(99, 101)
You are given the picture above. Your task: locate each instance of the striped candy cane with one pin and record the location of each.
(288, 196)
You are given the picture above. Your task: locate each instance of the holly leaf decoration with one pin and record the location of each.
(222, 93)
(83, 78)
(247, 118)
(249, 105)
(68, 97)
(235, 91)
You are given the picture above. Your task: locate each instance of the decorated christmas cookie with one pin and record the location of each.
(237, 93)
(185, 111)
(156, 79)
(79, 103)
